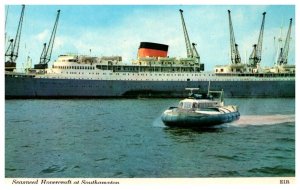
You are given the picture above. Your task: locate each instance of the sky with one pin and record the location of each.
(109, 30)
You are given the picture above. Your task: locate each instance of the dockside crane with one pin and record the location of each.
(11, 54)
(284, 52)
(235, 55)
(6, 15)
(47, 50)
(189, 49)
(197, 56)
(255, 56)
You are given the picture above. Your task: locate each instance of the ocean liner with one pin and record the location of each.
(152, 74)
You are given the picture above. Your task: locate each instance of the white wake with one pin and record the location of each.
(246, 120)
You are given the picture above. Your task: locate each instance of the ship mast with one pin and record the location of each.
(235, 55)
(13, 47)
(189, 49)
(255, 56)
(283, 55)
(47, 50)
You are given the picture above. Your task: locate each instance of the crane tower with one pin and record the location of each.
(189, 49)
(11, 54)
(284, 52)
(235, 55)
(47, 50)
(255, 56)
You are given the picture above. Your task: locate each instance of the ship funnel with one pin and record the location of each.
(149, 49)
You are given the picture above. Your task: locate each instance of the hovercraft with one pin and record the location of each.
(200, 111)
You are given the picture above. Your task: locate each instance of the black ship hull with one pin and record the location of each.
(26, 86)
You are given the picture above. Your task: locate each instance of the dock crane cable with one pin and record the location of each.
(13, 48)
(189, 49)
(255, 56)
(284, 52)
(47, 50)
(235, 55)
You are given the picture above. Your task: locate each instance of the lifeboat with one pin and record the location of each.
(201, 111)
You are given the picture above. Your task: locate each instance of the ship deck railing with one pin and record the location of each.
(260, 75)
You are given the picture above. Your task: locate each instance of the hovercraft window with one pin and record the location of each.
(187, 105)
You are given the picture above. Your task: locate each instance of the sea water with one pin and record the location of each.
(125, 138)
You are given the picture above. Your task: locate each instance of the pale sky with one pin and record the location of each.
(118, 30)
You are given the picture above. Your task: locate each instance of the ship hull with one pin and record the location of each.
(32, 87)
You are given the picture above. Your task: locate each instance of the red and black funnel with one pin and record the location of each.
(149, 49)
